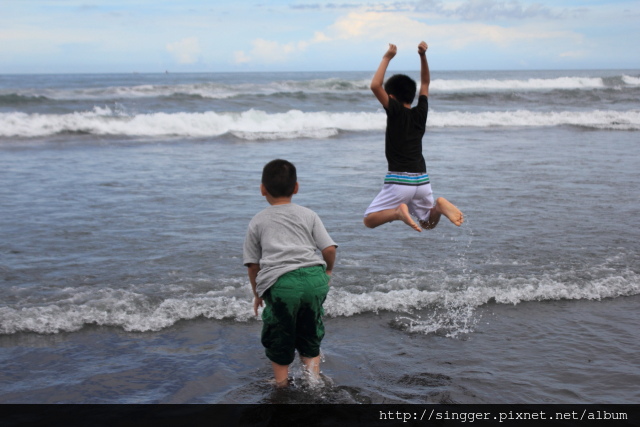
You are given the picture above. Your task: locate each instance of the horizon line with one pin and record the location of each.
(307, 71)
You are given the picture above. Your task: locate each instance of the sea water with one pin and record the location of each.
(125, 199)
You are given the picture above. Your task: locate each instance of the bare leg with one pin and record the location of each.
(281, 374)
(446, 208)
(401, 213)
(312, 366)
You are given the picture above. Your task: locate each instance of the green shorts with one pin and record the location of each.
(292, 318)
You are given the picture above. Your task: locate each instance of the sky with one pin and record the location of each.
(88, 36)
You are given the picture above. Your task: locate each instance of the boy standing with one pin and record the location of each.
(287, 274)
(407, 189)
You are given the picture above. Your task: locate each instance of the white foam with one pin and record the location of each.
(257, 124)
(205, 90)
(208, 90)
(595, 119)
(454, 312)
(214, 90)
(450, 321)
(129, 310)
(631, 81)
(452, 309)
(559, 83)
(251, 124)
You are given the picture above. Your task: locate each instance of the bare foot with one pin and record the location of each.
(282, 384)
(402, 213)
(450, 211)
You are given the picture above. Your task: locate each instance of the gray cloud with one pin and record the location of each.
(470, 10)
(326, 6)
(490, 10)
(306, 6)
(391, 6)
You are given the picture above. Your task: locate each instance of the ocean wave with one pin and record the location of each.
(126, 309)
(257, 124)
(205, 90)
(562, 83)
(631, 81)
(250, 125)
(12, 99)
(595, 119)
(451, 312)
(214, 89)
(210, 90)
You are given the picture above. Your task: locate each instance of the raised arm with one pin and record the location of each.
(378, 78)
(425, 76)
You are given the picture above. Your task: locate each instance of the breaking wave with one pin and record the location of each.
(451, 311)
(216, 90)
(259, 125)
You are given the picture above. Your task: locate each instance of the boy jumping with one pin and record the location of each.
(407, 189)
(287, 273)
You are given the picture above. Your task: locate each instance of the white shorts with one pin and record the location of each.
(419, 199)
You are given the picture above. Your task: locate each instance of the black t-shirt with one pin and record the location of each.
(403, 138)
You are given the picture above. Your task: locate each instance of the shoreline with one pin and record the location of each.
(533, 352)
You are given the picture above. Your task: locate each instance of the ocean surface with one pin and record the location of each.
(125, 199)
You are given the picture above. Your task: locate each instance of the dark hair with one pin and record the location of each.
(279, 178)
(402, 87)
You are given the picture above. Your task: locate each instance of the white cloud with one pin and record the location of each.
(370, 25)
(375, 25)
(185, 51)
(240, 57)
(466, 26)
(319, 37)
(268, 51)
(400, 29)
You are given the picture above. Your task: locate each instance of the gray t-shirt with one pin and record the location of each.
(283, 238)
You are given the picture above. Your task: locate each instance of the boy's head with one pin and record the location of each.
(402, 87)
(279, 178)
